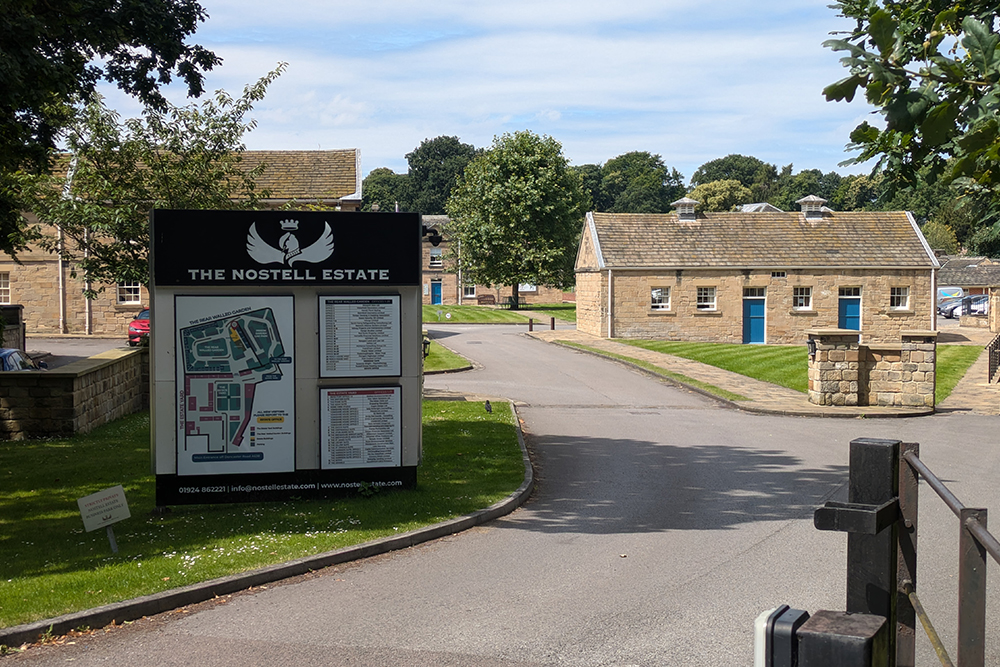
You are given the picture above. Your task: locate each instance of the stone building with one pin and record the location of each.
(753, 277)
(444, 285)
(53, 298)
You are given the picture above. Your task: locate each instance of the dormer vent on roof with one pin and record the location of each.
(812, 206)
(685, 208)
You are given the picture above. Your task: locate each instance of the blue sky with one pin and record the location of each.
(689, 81)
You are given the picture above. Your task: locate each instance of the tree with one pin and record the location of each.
(933, 71)
(590, 176)
(940, 237)
(721, 195)
(639, 182)
(806, 182)
(183, 157)
(387, 190)
(760, 177)
(435, 166)
(52, 54)
(516, 214)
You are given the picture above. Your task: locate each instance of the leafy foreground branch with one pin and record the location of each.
(52, 567)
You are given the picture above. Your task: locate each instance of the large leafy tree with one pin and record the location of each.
(435, 166)
(725, 195)
(758, 176)
(97, 214)
(639, 182)
(52, 54)
(385, 190)
(933, 71)
(516, 214)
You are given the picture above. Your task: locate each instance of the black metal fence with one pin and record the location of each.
(880, 518)
(993, 350)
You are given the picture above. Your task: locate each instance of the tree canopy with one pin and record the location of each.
(516, 214)
(52, 55)
(723, 195)
(435, 166)
(117, 171)
(933, 71)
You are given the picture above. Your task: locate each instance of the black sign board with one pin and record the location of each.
(304, 248)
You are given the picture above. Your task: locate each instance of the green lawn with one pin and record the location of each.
(443, 359)
(472, 315)
(52, 567)
(783, 365)
(953, 362)
(561, 311)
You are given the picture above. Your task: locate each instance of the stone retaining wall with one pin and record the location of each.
(844, 372)
(75, 398)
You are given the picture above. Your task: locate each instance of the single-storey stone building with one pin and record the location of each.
(754, 277)
(53, 299)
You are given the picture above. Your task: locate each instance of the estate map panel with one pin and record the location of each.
(236, 384)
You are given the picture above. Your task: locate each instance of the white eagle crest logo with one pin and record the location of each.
(288, 250)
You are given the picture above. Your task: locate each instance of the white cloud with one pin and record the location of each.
(677, 78)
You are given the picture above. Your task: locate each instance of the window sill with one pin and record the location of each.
(661, 312)
(708, 313)
(803, 311)
(899, 311)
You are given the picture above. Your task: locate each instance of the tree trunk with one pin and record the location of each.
(515, 297)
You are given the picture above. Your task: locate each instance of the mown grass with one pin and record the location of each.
(561, 311)
(704, 386)
(783, 365)
(471, 315)
(52, 567)
(953, 363)
(441, 358)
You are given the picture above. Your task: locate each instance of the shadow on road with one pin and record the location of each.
(625, 486)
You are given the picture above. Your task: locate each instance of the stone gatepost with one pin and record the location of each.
(835, 367)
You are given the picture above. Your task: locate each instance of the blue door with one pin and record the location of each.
(435, 292)
(753, 320)
(849, 313)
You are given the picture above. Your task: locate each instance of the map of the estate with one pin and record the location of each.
(236, 382)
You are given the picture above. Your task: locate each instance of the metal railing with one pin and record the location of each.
(880, 518)
(993, 352)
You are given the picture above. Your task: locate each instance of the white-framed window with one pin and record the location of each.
(469, 291)
(4, 287)
(779, 274)
(802, 298)
(659, 298)
(129, 293)
(705, 298)
(850, 291)
(437, 258)
(753, 292)
(899, 298)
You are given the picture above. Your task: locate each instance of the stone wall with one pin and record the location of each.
(844, 372)
(591, 300)
(75, 398)
(633, 316)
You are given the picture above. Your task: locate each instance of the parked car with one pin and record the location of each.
(944, 304)
(978, 304)
(16, 360)
(139, 328)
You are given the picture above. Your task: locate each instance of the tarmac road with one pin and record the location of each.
(661, 526)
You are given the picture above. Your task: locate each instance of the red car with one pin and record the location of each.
(138, 328)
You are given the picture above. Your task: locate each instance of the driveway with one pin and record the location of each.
(661, 526)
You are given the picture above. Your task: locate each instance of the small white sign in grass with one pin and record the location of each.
(104, 508)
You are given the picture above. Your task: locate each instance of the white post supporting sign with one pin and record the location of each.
(102, 509)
